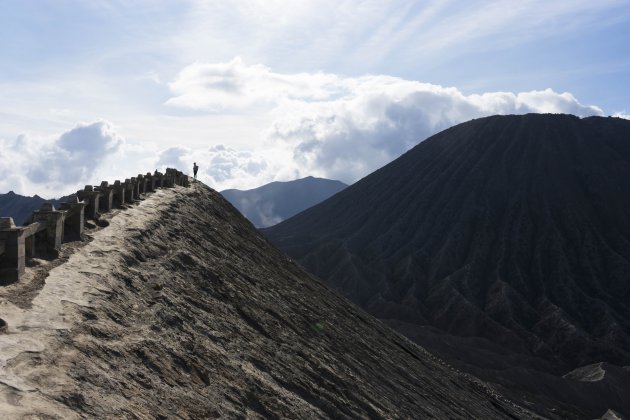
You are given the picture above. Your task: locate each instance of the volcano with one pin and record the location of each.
(503, 242)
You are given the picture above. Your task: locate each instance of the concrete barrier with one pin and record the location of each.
(91, 197)
(119, 193)
(106, 200)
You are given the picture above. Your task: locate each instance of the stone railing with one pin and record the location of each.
(49, 227)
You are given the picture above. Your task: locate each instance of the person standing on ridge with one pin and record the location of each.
(195, 169)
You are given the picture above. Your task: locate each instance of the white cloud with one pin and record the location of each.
(54, 166)
(340, 128)
(234, 85)
(622, 115)
(223, 167)
(318, 124)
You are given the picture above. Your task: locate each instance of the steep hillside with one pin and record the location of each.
(21, 207)
(272, 203)
(503, 242)
(180, 309)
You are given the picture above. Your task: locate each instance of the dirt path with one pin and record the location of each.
(45, 303)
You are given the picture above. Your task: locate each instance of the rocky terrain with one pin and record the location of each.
(274, 202)
(21, 207)
(503, 244)
(178, 308)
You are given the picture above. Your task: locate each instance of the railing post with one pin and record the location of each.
(184, 180)
(150, 182)
(106, 201)
(141, 184)
(129, 189)
(119, 193)
(170, 177)
(75, 217)
(91, 197)
(54, 221)
(13, 259)
(159, 179)
(136, 188)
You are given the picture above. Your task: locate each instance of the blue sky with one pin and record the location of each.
(257, 91)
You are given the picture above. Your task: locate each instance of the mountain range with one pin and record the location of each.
(502, 243)
(271, 203)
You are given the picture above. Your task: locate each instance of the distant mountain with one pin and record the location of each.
(272, 203)
(503, 242)
(20, 207)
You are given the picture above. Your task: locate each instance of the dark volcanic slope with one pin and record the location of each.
(272, 203)
(180, 309)
(515, 229)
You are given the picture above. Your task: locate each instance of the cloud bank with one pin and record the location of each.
(338, 127)
(319, 124)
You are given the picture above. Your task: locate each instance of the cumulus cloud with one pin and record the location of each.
(317, 124)
(349, 137)
(57, 164)
(341, 128)
(76, 154)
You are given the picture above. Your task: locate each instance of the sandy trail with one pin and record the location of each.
(75, 283)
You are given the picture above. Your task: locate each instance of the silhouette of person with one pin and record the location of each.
(195, 169)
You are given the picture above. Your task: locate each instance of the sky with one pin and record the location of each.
(256, 91)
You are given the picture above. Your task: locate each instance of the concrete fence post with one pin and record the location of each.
(54, 222)
(150, 182)
(75, 217)
(13, 259)
(136, 188)
(119, 193)
(129, 189)
(141, 184)
(92, 198)
(170, 177)
(159, 179)
(106, 201)
(185, 180)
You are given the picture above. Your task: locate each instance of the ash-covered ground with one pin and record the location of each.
(180, 309)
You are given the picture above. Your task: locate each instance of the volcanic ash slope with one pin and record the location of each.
(503, 242)
(180, 309)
